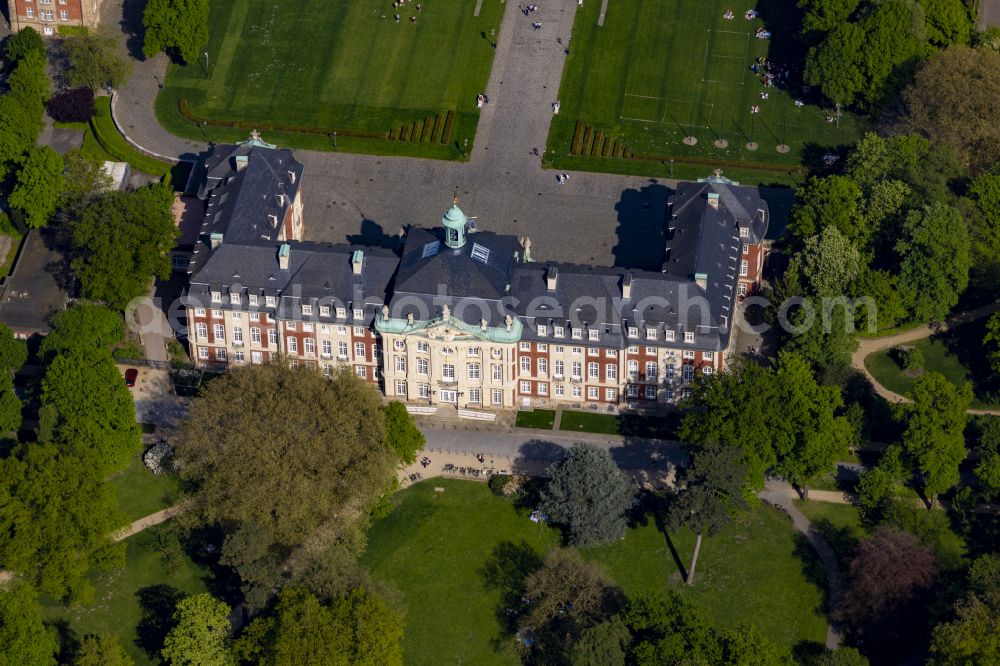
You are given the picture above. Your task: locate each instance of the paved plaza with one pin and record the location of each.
(592, 218)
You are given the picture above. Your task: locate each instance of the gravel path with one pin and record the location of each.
(867, 346)
(782, 495)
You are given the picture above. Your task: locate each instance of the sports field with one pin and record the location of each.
(338, 65)
(659, 71)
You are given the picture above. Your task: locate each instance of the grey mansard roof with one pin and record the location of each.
(248, 187)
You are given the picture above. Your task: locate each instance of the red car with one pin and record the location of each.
(130, 376)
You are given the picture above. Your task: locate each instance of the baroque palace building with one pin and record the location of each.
(46, 16)
(463, 317)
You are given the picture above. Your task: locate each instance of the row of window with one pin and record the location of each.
(271, 301)
(49, 2)
(475, 396)
(46, 14)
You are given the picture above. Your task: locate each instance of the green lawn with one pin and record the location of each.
(957, 354)
(140, 492)
(292, 68)
(433, 548)
(632, 425)
(543, 419)
(659, 70)
(146, 585)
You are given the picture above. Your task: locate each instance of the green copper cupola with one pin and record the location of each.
(454, 222)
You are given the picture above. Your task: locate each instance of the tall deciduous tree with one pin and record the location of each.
(887, 580)
(101, 650)
(85, 327)
(123, 240)
(810, 438)
(29, 80)
(175, 25)
(57, 515)
(589, 495)
(829, 263)
(567, 597)
(831, 201)
(712, 495)
(973, 637)
(952, 102)
(40, 185)
(24, 639)
(23, 42)
(357, 629)
(202, 635)
(668, 629)
(402, 435)
(735, 407)
(935, 427)
(85, 178)
(318, 463)
(935, 260)
(94, 60)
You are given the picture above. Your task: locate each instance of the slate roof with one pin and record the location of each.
(248, 202)
(32, 293)
(317, 274)
(471, 279)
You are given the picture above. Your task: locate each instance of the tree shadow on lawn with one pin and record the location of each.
(656, 506)
(965, 343)
(157, 603)
(69, 642)
(506, 570)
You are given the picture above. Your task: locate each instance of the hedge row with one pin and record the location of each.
(185, 110)
(588, 141)
(114, 144)
(432, 129)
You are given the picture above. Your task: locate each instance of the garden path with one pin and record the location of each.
(867, 346)
(782, 495)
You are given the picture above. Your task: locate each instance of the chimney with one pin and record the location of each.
(215, 239)
(713, 200)
(551, 275)
(627, 286)
(283, 253)
(357, 261)
(241, 162)
(701, 279)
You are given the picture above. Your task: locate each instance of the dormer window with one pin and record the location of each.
(307, 309)
(252, 298)
(577, 334)
(593, 334)
(269, 301)
(543, 329)
(633, 332)
(324, 311)
(558, 331)
(688, 337)
(358, 313)
(744, 232)
(650, 333)
(216, 296)
(341, 312)
(670, 335)
(234, 299)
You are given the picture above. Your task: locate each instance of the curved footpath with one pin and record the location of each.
(869, 346)
(782, 496)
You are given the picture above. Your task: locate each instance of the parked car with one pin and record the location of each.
(130, 376)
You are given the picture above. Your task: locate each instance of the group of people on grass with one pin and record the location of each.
(396, 4)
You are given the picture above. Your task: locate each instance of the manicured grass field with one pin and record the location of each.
(537, 418)
(957, 354)
(146, 584)
(660, 70)
(337, 64)
(140, 492)
(434, 546)
(630, 425)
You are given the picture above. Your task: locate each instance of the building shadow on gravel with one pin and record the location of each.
(374, 235)
(641, 216)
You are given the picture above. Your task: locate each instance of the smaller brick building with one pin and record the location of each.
(46, 16)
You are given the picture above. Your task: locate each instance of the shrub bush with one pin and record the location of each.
(913, 359)
(598, 140)
(404, 133)
(438, 127)
(449, 123)
(498, 482)
(72, 106)
(608, 143)
(577, 143)
(394, 134)
(417, 130)
(428, 125)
